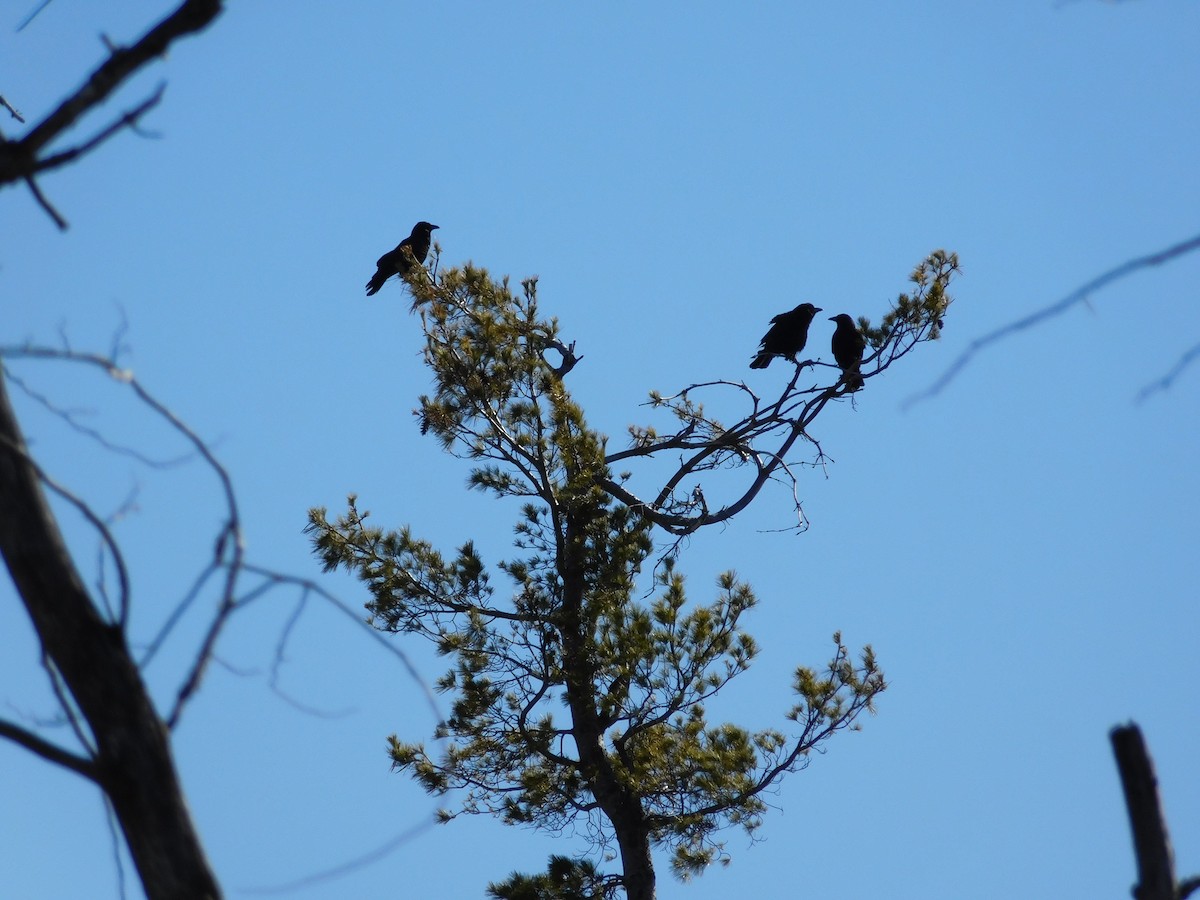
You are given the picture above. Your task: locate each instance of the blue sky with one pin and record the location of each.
(1021, 549)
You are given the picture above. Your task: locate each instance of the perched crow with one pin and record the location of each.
(396, 262)
(786, 337)
(848, 347)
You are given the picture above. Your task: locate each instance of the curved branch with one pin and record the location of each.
(1164, 383)
(1079, 295)
(93, 519)
(229, 551)
(1151, 843)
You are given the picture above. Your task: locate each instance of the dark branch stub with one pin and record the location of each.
(1151, 841)
(567, 352)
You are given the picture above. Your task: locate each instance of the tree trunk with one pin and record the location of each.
(133, 762)
(619, 802)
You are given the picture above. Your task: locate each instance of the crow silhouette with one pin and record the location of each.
(786, 337)
(848, 348)
(398, 261)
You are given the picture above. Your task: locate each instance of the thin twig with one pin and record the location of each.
(33, 15)
(371, 856)
(94, 520)
(128, 120)
(1167, 380)
(60, 694)
(1079, 295)
(273, 579)
(114, 833)
(70, 417)
(15, 114)
(229, 542)
(46, 204)
(189, 17)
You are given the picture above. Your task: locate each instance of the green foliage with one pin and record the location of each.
(579, 694)
(920, 315)
(564, 879)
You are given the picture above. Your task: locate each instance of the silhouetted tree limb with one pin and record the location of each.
(129, 119)
(227, 569)
(33, 15)
(765, 437)
(1151, 840)
(15, 114)
(133, 763)
(47, 750)
(1164, 383)
(1079, 295)
(23, 158)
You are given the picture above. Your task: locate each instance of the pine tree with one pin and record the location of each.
(579, 692)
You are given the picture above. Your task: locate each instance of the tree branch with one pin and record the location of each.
(1079, 295)
(15, 113)
(21, 159)
(191, 16)
(133, 762)
(1151, 843)
(47, 750)
(128, 120)
(1164, 383)
(229, 550)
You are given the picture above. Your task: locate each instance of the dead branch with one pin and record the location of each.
(229, 552)
(133, 762)
(1164, 383)
(1151, 840)
(47, 750)
(1076, 297)
(22, 159)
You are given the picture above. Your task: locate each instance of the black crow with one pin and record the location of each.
(848, 348)
(397, 262)
(786, 337)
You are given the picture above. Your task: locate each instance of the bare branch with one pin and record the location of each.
(1079, 295)
(15, 114)
(92, 518)
(229, 552)
(567, 352)
(1151, 843)
(127, 120)
(273, 579)
(19, 158)
(48, 751)
(1167, 380)
(371, 856)
(45, 204)
(114, 834)
(281, 656)
(33, 15)
(72, 419)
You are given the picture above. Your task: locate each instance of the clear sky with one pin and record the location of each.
(1021, 550)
